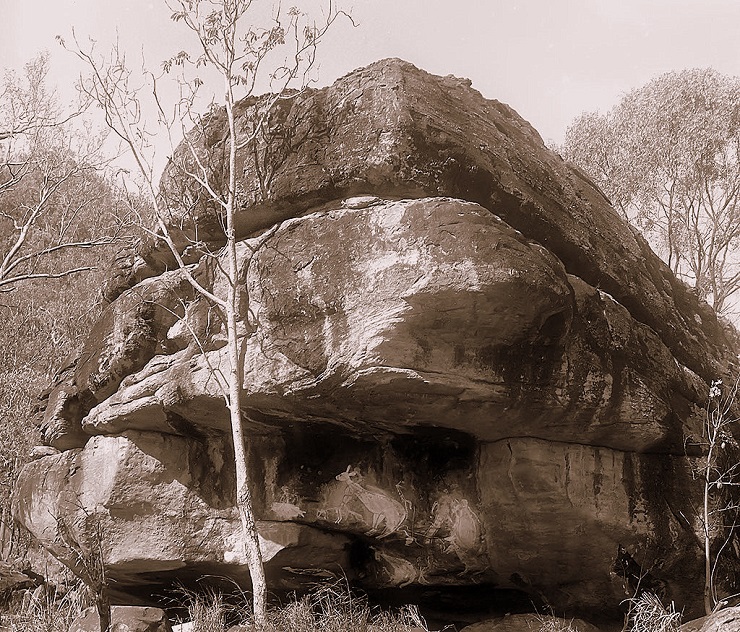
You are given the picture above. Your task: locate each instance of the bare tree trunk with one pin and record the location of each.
(4, 533)
(241, 459)
(708, 605)
(102, 603)
(238, 58)
(708, 584)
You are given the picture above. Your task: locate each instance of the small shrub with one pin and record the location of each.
(648, 614)
(47, 610)
(407, 619)
(206, 610)
(296, 616)
(337, 609)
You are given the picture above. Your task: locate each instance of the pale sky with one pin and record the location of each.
(549, 59)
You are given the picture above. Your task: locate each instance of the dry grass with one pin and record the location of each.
(331, 607)
(647, 614)
(47, 611)
(552, 624)
(208, 613)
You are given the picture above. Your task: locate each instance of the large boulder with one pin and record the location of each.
(438, 315)
(395, 130)
(493, 391)
(158, 506)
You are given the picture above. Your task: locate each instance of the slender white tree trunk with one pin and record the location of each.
(243, 492)
(235, 378)
(708, 587)
(237, 56)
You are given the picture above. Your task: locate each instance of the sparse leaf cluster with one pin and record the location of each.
(718, 469)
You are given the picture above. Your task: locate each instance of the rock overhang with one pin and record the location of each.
(367, 324)
(443, 138)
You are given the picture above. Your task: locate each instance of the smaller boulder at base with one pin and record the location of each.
(124, 619)
(727, 620)
(530, 623)
(12, 578)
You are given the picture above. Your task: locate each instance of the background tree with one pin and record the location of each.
(247, 49)
(50, 177)
(59, 218)
(668, 156)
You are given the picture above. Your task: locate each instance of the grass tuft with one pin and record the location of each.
(552, 623)
(47, 610)
(330, 607)
(647, 614)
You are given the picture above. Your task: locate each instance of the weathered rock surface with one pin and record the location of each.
(727, 620)
(124, 619)
(394, 130)
(495, 391)
(167, 510)
(438, 314)
(530, 623)
(13, 578)
(129, 334)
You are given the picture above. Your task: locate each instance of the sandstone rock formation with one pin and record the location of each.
(473, 374)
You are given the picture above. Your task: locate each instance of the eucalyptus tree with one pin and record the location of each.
(59, 218)
(249, 47)
(668, 156)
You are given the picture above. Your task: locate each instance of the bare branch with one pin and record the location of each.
(13, 280)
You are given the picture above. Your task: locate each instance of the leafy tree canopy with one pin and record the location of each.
(668, 156)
